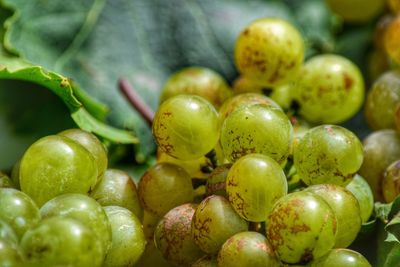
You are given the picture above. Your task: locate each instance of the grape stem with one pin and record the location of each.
(136, 101)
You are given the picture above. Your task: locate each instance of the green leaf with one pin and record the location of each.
(393, 229)
(393, 257)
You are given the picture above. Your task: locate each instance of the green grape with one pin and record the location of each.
(257, 129)
(382, 101)
(247, 249)
(152, 257)
(15, 174)
(164, 187)
(356, 11)
(214, 221)
(18, 210)
(83, 209)
(92, 144)
(269, 51)
(186, 127)
(10, 254)
(56, 165)
(381, 148)
(128, 240)
(391, 182)
(61, 241)
(243, 85)
(283, 95)
(346, 208)
(392, 40)
(341, 257)
(197, 81)
(255, 182)
(206, 261)
(7, 233)
(5, 181)
(361, 190)
(301, 227)
(116, 188)
(173, 236)
(328, 154)
(217, 180)
(330, 89)
(150, 222)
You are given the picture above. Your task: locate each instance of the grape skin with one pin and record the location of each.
(361, 190)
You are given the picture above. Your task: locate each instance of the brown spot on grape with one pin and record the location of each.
(348, 81)
(307, 255)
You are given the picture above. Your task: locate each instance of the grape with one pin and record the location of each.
(206, 261)
(214, 221)
(361, 190)
(243, 85)
(92, 144)
(394, 6)
(5, 181)
(381, 148)
(152, 257)
(173, 236)
(378, 63)
(7, 233)
(255, 182)
(197, 81)
(247, 249)
(164, 187)
(56, 165)
(257, 129)
(216, 182)
(356, 11)
(10, 254)
(346, 208)
(18, 210)
(330, 89)
(341, 257)
(300, 128)
(301, 227)
(150, 222)
(328, 154)
(392, 40)
(283, 95)
(15, 174)
(83, 209)
(186, 127)
(61, 241)
(380, 30)
(382, 101)
(391, 182)
(269, 51)
(116, 188)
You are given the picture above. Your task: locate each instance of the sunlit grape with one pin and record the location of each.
(392, 40)
(341, 257)
(361, 190)
(356, 11)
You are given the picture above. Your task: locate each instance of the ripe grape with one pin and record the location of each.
(391, 182)
(206, 261)
(18, 210)
(346, 208)
(186, 127)
(116, 188)
(382, 101)
(10, 254)
(247, 249)
(173, 236)
(361, 190)
(330, 89)
(244, 85)
(214, 221)
(392, 40)
(216, 182)
(301, 227)
(56, 165)
(83, 209)
(356, 11)
(255, 182)
(61, 241)
(341, 257)
(164, 187)
(257, 129)
(128, 241)
(269, 51)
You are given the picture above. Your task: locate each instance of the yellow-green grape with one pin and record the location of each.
(341, 257)
(128, 241)
(164, 187)
(10, 254)
(269, 52)
(244, 85)
(391, 182)
(83, 209)
(328, 154)
(283, 95)
(382, 101)
(381, 148)
(18, 210)
(61, 241)
(257, 129)
(214, 221)
(116, 188)
(361, 190)
(174, 239)
(186, 127)
(346, 208)
(301, 227)
(92, 144)
(5, 181)
(330, 89)
(247, 249)
(254, 184)
(392, 40)
(197, 81)
(216, 182)
(56, 165)
(394, 6)
(152, 257)
(206, 261)
(356, 11)
(15, 174)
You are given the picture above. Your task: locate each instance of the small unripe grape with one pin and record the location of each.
(357, 11)
(216, 182)
(341, 257)
(361, 190)
(392, 40)
(269, 51)
(391, 182)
